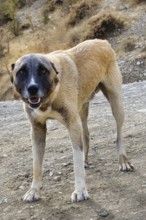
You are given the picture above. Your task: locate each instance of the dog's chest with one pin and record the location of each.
(49, 113)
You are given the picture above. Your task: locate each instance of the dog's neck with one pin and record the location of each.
(50, 99)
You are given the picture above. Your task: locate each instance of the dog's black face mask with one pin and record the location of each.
(35, 78)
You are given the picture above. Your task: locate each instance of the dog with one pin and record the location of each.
(59, 85)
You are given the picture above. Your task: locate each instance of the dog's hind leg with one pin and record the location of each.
(75, 129)
(112, 89)
(84, 116)
(38, 136)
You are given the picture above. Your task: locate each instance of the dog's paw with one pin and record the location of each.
(124, 164)
(31, 196)
(79, 196)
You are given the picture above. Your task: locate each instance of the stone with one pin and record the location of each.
(57, 178)
(103, 213)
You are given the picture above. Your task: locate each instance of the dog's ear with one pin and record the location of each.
(12, 66)
(54, 68)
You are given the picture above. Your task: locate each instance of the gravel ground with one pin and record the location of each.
(118, 196)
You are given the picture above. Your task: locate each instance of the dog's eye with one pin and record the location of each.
(21, 72)
(44, 71)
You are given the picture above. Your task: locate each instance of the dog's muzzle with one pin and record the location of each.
(34, 99)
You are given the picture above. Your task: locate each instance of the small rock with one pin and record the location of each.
(103, 213)
(63, 157)
(3, 200)
(138, 63)
(21, 187)
(65, 164)
(92, 167)
(57, 178)
(51, 173)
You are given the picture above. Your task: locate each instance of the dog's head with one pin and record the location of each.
(34, 78)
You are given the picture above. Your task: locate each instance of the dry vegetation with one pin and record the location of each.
(60, 24)
(103, 25)
(80, 11)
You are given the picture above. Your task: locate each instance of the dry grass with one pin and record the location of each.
(133, 2)
(80, 11)
(129, 44)
(66, 23)
(74, 35)
(4, 43)
(140, 1)
(104, 25)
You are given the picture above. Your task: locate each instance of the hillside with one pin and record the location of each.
(47, 25)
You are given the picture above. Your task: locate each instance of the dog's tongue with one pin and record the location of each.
(34, 100)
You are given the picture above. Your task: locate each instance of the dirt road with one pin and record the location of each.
(122, 195)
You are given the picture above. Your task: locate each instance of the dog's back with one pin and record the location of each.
(96, 64)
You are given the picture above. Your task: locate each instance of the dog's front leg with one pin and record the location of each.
(80, 193)
(38, 137)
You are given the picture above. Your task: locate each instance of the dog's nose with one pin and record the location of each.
(33, 89)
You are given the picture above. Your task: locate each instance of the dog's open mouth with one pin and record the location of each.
(34, 101)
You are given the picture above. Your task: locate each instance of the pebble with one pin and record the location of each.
(103, 213)
(65, 164)
(138, 63)
(21, 187)
(3, 200)
(51, 173)
(63, 157)
(57, 178)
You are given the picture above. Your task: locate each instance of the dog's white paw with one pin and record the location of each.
(79, 196)
(124, 164)
(32, 195)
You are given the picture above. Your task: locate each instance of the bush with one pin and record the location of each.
(14, 27)
(78, 12)
(81, 10)
(103, 25)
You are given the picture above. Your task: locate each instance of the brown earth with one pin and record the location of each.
(121, 195)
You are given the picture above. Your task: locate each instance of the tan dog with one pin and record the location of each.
(59, 86)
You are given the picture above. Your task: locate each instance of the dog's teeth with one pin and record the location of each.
(34, 100)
